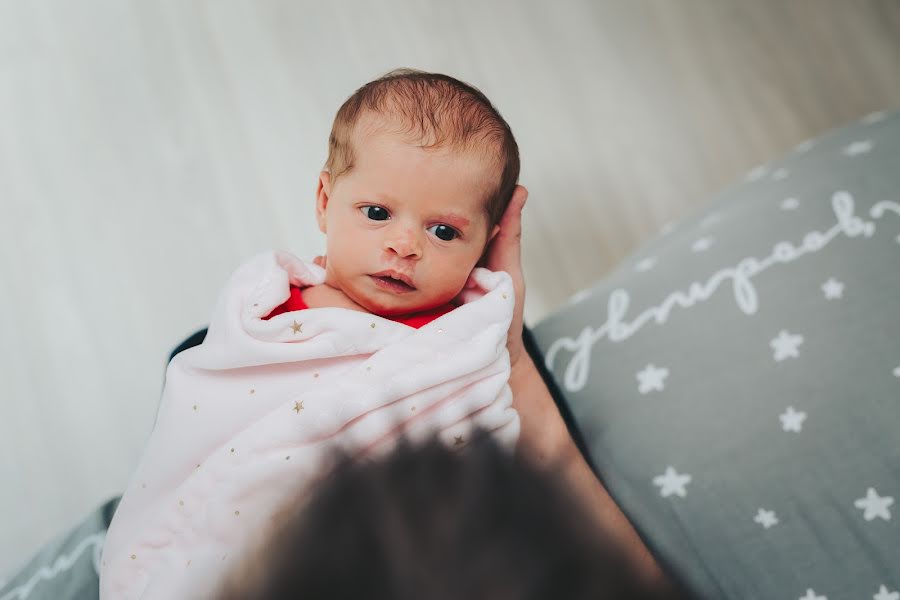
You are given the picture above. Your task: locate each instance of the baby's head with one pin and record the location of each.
(420, 169)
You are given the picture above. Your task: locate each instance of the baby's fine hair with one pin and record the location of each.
(436, 111)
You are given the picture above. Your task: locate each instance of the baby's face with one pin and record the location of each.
(416, 213)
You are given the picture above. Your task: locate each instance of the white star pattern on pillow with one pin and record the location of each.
(702, 245)
(579, 296)
(757, 173)
(857, 148)
(672, 483)
(780, 174)
(667, 228)
(874, 505)
(766, 518)
(645, 264)
(652, 378)
(884, 594)
(811, 595)
(804, 146)
(833, 289)
(875, 117)
(897, 372)
(792, 420)
(789, 204)
(786, 345)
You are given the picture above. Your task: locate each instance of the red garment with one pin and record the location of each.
(296, 302)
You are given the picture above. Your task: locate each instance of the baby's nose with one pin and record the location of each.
(405, 243)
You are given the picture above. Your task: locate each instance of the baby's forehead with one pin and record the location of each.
(477, 163)
(372, 126)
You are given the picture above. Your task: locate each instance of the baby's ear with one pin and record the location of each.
(323, 192)
(494, 232)
(487, 246)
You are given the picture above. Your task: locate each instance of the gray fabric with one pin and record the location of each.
(717, 409)
(68, 568)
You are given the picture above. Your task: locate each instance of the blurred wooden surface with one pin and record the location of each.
(149, 146)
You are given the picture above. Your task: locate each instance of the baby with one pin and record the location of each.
(420, 170)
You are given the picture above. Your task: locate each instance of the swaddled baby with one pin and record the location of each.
(420, 170)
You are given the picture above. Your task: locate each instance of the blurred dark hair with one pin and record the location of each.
(430, 522)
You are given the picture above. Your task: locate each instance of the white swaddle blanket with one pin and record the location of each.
(248, 418)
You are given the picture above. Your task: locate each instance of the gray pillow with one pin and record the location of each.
(68, 567)
(737, 381)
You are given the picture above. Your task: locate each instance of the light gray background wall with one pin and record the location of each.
(148, 146)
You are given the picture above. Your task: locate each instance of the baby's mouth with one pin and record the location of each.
(389, 283)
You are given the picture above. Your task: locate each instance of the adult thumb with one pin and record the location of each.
(506, 250)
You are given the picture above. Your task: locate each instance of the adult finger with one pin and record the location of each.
(505, 253)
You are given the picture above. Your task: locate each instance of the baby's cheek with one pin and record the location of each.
(451, 285)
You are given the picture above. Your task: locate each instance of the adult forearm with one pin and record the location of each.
(545, 441)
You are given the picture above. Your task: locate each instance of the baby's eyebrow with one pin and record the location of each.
(454, 219)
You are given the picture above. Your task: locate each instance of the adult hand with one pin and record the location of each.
(544, 437)
(505, 254)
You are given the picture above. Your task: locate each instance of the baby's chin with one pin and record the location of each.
(395, 310)
(397, 306)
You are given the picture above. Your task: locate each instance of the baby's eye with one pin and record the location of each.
(376, 213)
(444, 232)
